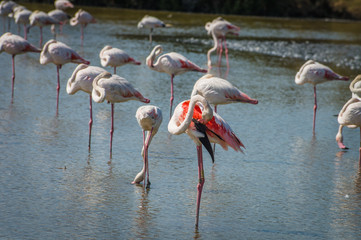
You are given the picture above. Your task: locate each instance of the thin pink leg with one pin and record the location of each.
(171, 96)
(201, 181)
(13, 78)
(41, 37)
(112, 131)
(57, 88)
(82, 34)
(314, 109)
(220, 53)
(90, 121)
(226, 52)
(146, 147)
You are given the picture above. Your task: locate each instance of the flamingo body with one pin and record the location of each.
(21, 16)
(83, 18)
(115, 57)
(63, 4)
(151, 22)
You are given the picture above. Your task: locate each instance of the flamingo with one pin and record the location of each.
(114, 88)
(149, 119)
(21, 16)
(196, 118)
(172, 64)
(14, 45)
(315, 73)
(41, 19)
(82, 79)
(115, 57)
(83, 18)
(151, 23)
(59, 53)
(60, 16)
(6, 8)
(218, 29)
(63, 4)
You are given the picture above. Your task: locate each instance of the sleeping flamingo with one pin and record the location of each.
(315, 73)
(151, 23)
(41, 19)
(59, 53)
(149, 119)
(6, 8)
(83, 18)
(60, 16)
(172, 64)
(196, 118)
(21, 16)
(14, 45)
(218, 29)
(63, 4)
(115, 57)
(82, 79)
(114, 88)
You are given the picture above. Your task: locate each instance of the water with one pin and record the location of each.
(289, 184)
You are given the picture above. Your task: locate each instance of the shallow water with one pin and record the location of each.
(289, 184)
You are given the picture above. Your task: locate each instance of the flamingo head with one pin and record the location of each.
(157, 50)
(355, 87)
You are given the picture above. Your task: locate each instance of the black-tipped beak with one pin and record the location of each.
(204, 140)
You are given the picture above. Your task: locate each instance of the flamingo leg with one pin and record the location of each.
(220, 53)
(150, 35)
(226, 52)
(146, 147)
(13, 78)
(57, 88)
(115, 70)
(82, 34)
(314, 109)
(112, 131)
(201, 181)
(171, 96)
(41, 37)
(90, 121)
(25, 32)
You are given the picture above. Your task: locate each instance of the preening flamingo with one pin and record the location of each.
(149, 119)
(59, 53)
(41, 19)
(151, 23)
(114, 88)
(315, 73)
(196, 118)
(115, 57)
(82, 79)
(63, 4)
(83, 18)
(218, 29)
(21, 16)
(172, 64)
(14, 45)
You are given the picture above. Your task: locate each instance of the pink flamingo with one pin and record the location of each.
(315, 73)
(196, 118)
(83, 18)
(6, 8)
(21, 16)
(172, 64)
(151, 23)
(59, 54)
(14, 45)
(63, 4)
(115, 57)
(218, 29)
(149, 119)
(82, 79)
(114, 88)
(41, 19)
(60, 16)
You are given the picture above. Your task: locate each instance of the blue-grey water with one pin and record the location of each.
(289, 184)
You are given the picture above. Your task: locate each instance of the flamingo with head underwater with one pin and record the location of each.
(196, 118)
(316, 73)
(171, 63)
(59, 53)
(114, 88)
(149, 118)
(15, 45)
(82, 79)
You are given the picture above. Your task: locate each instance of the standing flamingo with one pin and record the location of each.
(21, 16)
(115, 57)
(114, 89)
(315, 73)
(14, 45)
(6, 8)
(59, 54)
(218, 29)
(83, 18)
(63, 4)
(196, 118)
(82, 79)
(151, 23)
(41, 19)
(60, 16)
(171, 63)
(149, 119)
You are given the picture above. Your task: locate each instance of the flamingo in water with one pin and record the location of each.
(14, 45)
(218, 29)
(151, 23)
(196, 118)
(172, 64)
(115, 57)
(315, 73)
(82, 79)
(114, 88)
(83, 18)
(21, 16)
(59, 53)
(149, 119)
(41, 19)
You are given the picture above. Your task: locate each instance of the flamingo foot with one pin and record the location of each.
(341, 145)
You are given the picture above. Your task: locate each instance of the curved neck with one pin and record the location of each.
(98, 93)
(352, 85)
(215, 40)
(207, 115)
(157, 50)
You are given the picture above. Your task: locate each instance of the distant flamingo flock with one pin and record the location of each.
(196, 116)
